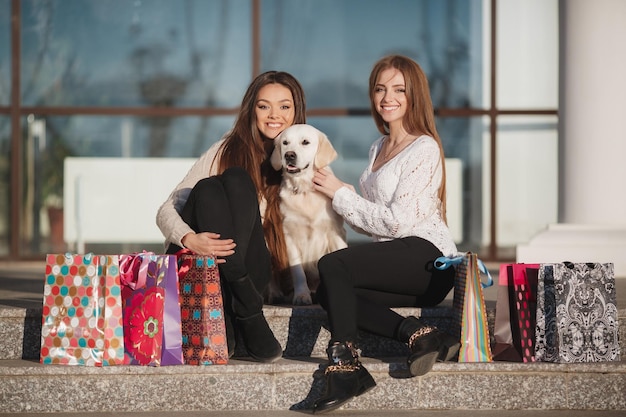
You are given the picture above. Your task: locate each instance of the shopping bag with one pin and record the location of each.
(82, 311)
(546, 334)
(516, 308)
(469, 306)
(583, 325)
(202, 310)
(152, 325)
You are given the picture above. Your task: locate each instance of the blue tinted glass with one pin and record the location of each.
(49, 141)
(134, 137)
(5, 52)
(330, 46)
(5, 148)
(135, 53)
(463, 142)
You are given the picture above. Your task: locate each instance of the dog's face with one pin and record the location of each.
(301, 148)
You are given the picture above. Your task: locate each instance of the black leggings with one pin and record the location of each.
(359, 284)
(227, 204)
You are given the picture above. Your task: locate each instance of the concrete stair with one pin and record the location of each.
(294, 381)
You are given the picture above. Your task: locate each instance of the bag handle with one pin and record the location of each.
(134, 269)
(185, 263)
(69, 257)
(445, 262)
(571, 265)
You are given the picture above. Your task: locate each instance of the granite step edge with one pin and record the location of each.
(294, 383)
(308, 365)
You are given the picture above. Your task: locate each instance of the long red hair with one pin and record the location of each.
(420, 116)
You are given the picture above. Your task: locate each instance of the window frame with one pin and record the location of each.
(16, 112)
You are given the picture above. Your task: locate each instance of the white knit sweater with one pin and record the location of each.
(401, 198)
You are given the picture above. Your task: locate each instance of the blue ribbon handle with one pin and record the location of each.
(445, 262)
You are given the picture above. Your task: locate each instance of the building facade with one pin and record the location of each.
(103, 101)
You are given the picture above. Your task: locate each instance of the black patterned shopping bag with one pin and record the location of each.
(577, 313)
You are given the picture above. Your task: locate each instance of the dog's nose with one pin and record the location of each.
(290, 156)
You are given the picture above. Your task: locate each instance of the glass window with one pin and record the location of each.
(528, 54)
(331, 46)
(351, 137)
(141, 53)
(128, 136)
(526, 177)
(5, 52)
(5, 171)
(463, 144)
(199, 54)
(117, 140)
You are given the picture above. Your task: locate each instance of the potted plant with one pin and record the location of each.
(52, 159)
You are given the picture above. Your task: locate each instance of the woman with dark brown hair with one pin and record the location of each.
(402, 206)
(227, 206)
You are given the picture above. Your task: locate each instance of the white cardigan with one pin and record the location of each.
(401, 198)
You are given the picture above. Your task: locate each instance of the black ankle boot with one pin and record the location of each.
(259, 339)
(427, 344)
(231, 338)
(255, 331)
(346, 377)
(229, 320)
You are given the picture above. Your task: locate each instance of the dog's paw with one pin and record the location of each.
(302, 299)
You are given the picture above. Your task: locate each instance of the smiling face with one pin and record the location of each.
(274, 110)
(295, 149)
(389, 96)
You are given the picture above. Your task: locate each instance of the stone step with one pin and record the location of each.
(302, 331)
(291, 383)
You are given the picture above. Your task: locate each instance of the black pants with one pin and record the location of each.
(227, 204)
(359, 284)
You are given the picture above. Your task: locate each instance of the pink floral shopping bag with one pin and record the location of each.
(152, 326)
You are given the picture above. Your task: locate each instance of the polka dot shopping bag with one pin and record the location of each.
(516, 308)
(82, 311)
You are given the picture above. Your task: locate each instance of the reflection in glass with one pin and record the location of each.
(49, 140)
(120, 53)
(351, 137)
(527, 66)
(527, 174)
(198, 54)
(5, 170)
(331, 46)
(462, 139)
(5, 52)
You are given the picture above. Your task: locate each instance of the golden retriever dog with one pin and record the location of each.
(312, 228)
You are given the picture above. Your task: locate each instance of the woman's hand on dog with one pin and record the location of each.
(209, 244)
(326, 183)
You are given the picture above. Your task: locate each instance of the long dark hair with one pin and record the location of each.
(245, 147)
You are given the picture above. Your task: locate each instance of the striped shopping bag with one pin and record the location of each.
(469, 306)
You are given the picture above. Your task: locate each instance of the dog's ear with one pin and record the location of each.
(277, 159)
(325, 152)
